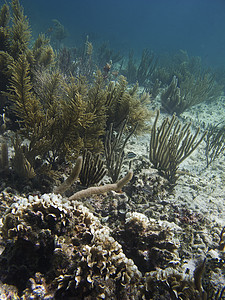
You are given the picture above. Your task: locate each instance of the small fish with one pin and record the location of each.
(131, 155)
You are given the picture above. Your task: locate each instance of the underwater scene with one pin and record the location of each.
(112, 147)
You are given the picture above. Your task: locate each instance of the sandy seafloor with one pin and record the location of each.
(199, 192)
(203, 189)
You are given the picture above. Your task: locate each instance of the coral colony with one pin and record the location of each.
(84, 215)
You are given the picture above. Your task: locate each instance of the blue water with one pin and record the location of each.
(197, 26)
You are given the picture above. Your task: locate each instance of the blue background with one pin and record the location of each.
(197, 26)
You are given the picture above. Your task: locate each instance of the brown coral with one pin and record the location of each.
(147, 242)
(70, 248)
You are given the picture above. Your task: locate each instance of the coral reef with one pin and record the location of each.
(148, 243)
(74, 253)
(55, 115)
(60, 117)
(55, 248)
(151, 234)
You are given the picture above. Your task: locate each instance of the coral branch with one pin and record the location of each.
(73, 177)
(102, 189)
(170, 144)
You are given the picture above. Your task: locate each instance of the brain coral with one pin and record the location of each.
(66, 246)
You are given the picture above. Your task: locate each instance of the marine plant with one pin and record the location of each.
(124, 103)
(146, 67)
(59, 33)
(131, 69)
(75, 172)
(104, 55)
(59, 116)
(66, 61)
(114, 150)
(42, 54)
(77, 61)
(20, 32)
(54, 122)
(93, 169)
(84, 61)
(179, 96)
(14, 38)
(186, 82)
(180, 65)
(81, 166)
(15, 35)
(215, 142)
(170, 144)
(4, 160)
(143, 71)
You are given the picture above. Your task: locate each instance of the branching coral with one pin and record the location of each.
(104, 55)
(114, 150)
(189, 86)
(215, 142)
(171, 144)
(93, 169)
(26, 106)
(91, 190)
(124, 103)
(103, 189)
(15, 38)
(55, 118)
(58, 115)
(4, 160)
(142, 72)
